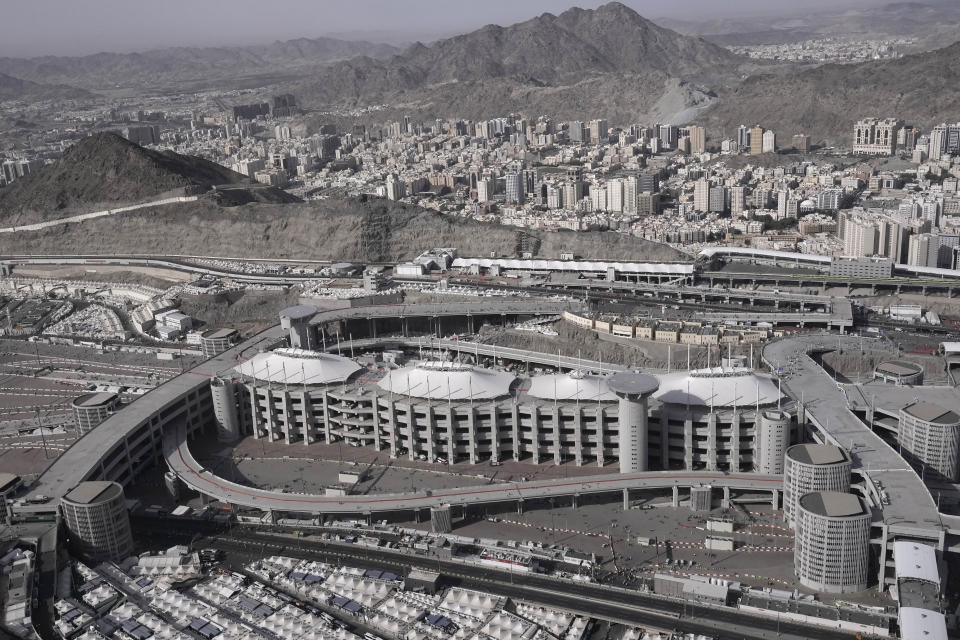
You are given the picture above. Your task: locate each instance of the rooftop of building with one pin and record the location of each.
(833, 504)
(298, 367)
(214, 334)
(932, 413)
(899, 368)
(820, 454)
(93, 491)
(442, 380)
(298, 312)
(576, 385)
(8, 481)
(718, 387)
(95, 399)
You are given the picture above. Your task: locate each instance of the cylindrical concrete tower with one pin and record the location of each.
(95, 514)
(773, 436)
(633, 389)
(930, 435)
(91, 409)
(813, 467)
(223, 394)
(832, 548)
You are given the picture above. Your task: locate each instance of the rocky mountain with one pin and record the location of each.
(551, 51)
(179, 64)
(104, 169)
(922, 89)
(12, 88)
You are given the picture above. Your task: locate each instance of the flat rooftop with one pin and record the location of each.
(929, 412)
(8, 480)
(833, 504)
(214, 334)
(816, 453)
(899, 368)
(95, 399)
(94, 491)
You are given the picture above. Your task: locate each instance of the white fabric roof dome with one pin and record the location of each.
(298, 366)
(724, 385)
(442, 380)
(571, 386)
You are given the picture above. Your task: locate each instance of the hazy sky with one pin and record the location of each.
(76, 27)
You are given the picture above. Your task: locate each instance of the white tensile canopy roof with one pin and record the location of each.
(718, 387)
(298, 366)
(447, 380)
(571, 386)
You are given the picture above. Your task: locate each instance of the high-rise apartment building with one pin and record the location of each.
(769, 141)
(743, 137)
(513, 188)
(698, 139)
(801, 142)
(630, 192)
(923, 251)
(648, 181)
(756, 140)
(738, 201)
(701, 195)
(485, 190)
(554, 197)
(576, 132)
(598, 131)
(718, 199)
(860, 238)
(668, 135)
(938, 141)
(572, 193)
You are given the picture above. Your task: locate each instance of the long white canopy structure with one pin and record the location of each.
(447, 380)
(298, 366)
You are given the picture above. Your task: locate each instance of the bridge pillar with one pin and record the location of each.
(470, 322)
(775, 499)
(676, 496)
(725, 504)
(626, 499)
(404, 326)
(574, 501)
(520, 506)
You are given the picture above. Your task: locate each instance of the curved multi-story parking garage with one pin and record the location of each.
(721, 418)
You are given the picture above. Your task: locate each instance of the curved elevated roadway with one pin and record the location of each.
(116, 448)
(911, 511)
(194, 475)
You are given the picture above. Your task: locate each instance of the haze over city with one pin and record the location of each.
(524, 321)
